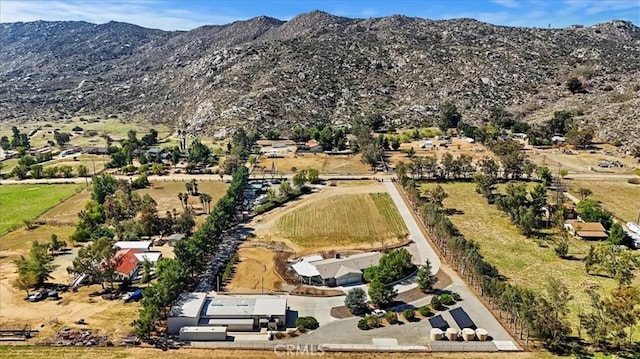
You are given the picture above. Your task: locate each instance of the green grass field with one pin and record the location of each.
(20, 202)
(619, 197)
(525, 261)
(342, 220)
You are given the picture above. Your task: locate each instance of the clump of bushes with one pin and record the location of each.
(409, 314)
(307, 323)
(436, 303)
(391, 317)
(424, 311)
(368, 322)
(446, 299)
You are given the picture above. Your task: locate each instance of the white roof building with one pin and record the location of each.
(151, 257)
(139, 245)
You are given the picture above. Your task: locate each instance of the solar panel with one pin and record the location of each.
(462, 318)
(438, 322)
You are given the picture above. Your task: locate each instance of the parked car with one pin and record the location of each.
(379, 312)
(36, 297)
(53, 294)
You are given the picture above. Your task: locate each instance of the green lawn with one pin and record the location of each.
(342, 220)
(525, 261)
(27, 201)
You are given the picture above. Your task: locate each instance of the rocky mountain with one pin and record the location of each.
(264, 73)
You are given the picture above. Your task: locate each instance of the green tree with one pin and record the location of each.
(55, 244)
(299, 179)
(544, 173)
(83, 171)
(449, 116)
(272, 135)
(425, 279)
(38, 266)
(617, 235)
(436, 195)
(550, 321)
(285, 188)
(381, 294)
(36, 171)
(61, 138)
(313, 176)
(584, 193)
(580, 138)
(356, 301)
(103, 185)
(371, 154)
(591, 211)
(146, 270)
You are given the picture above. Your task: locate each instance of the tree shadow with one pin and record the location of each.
(453, 211)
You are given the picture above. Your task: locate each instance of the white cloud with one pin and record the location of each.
(147, 13)
(512, 4)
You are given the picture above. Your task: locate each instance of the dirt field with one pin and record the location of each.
(166, 194)
(67, 211)
(616, 196)
(456, 148)
(21, 352)
(254, 272)
(580, 161)
(334, 164)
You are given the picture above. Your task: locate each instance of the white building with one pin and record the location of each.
(336, 271)
(233, 312)
(143, 246)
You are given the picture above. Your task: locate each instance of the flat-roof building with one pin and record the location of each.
(234, 312)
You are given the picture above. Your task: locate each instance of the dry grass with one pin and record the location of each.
(343, 219)
(339, 164)
(579, 160)
(20, 352)
(19, 241)
(524, 261)
(67, 211)
(166, 194)
(457, 147)
(615, 196)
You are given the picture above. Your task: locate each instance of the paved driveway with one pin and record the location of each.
(424, 248)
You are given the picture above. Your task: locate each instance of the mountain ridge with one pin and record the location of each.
(264, 72)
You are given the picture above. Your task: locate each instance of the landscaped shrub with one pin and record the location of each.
(424, 311)
(372, 321)
(409, 314)
(391, 317)
(456, 296)
(446, 299)
(362, 324)
(307, 322)
(436, 304)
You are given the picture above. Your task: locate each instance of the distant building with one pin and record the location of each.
(143, 246)
(586, 230)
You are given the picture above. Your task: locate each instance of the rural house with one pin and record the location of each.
(586, 230)
(336, 271)
(128, 264)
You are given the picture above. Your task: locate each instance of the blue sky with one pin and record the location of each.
(189, 14)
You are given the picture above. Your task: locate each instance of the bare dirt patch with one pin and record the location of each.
(67, 211)
(166, 194)
(255, 272)
(341, 312)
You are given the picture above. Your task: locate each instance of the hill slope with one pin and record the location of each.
(264, 72)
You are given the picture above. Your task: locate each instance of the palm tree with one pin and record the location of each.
(194, 187)
(182, 197)
(189, 186)
(207, 199)
(203, 202)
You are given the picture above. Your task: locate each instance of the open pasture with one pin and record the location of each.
(341, 220)
(619, 197)
(524, 261)
(27, 201)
